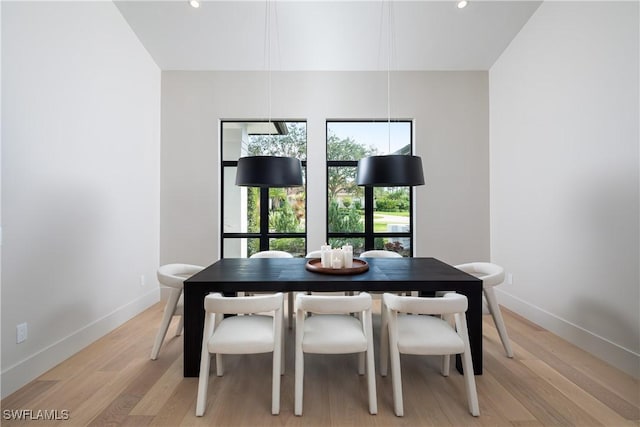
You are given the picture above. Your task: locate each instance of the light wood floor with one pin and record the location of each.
(113, 382)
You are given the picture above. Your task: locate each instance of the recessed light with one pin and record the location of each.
(194, 3)
(462, 4)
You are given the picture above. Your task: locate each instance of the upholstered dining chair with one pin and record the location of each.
(248, 334)
(271, 254)
(172, 276)
(491, 275)
(331, 330)
(279, 254)
(380, 254)
(403, 330)
(314, 254)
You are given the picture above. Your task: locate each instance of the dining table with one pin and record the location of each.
(229, 276)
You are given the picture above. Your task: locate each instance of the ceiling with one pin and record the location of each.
(326, 35)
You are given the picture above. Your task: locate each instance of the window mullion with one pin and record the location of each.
(369, 239)
(264, 219)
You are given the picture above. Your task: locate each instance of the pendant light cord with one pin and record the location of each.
(267, 55)
(389, 75)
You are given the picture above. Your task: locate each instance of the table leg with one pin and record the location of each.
(193, 326)
(474, 325)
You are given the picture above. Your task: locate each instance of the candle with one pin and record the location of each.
(325, 256)
(347, 252)
(337, 259)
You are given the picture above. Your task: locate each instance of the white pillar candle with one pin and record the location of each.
(347, 252)
(337, 258)
(325, 256)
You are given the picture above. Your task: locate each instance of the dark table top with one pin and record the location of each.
(290, 274)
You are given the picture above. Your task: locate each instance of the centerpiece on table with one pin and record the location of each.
(337, 261)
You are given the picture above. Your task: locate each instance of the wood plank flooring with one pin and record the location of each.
(113, 383)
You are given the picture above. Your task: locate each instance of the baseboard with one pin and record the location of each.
(622, 358)
(21, 373)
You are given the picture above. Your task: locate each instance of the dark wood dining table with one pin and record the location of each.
(232, 275)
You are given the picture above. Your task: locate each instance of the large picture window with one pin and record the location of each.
(367, 218)
(258, 219)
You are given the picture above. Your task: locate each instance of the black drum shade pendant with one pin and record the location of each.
(269, 171)
(390, 171)
(394, 170)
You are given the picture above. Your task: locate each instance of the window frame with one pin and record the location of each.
(369, 235)
(264, 235)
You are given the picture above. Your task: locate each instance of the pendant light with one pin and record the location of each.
(396, 170)
(269, 171)
(393, 170)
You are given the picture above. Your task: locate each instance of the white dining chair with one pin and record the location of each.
(290, 295)
(172, 276)
(331, 330)
(314, 254)
(376, 253)
(271, 254)
(491, 275)
(247, 334)
(403, 330)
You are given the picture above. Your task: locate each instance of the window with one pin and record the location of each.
(367, 218)
(258, 219)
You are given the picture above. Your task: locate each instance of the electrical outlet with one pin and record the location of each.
(509, 279)
(142, 282)
(21, 333)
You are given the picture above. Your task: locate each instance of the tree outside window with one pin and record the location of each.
(366, 218)
(243, 230)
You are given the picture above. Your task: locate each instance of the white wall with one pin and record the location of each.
(1, 133)
(80, 180)
(450, 110)
(564, 175)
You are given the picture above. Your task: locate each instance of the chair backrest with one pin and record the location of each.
(491, 274)
(325, 304)
(380, 254)
(448, 304)
(272, 254)
(314, 254)
(173, 275)
(216, 303)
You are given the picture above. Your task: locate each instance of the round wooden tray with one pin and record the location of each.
(315, 265)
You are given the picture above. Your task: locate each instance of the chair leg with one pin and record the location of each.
(470, 382)
(384, 342)
(180, 326)
(219, 365)
(203, 383)
(361, 363)
(371, 381)
(299, 378)
(169, 309)
(446, 365)
(282, 352)
(396, 381)
(467, 365)
(290, 309)
(494, 309)
(275, 386)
